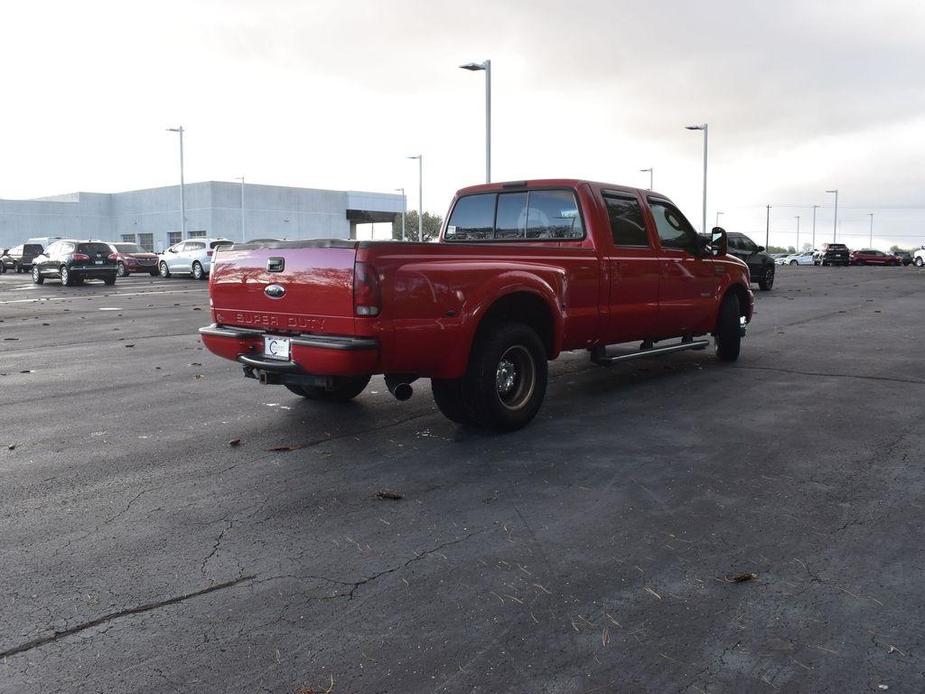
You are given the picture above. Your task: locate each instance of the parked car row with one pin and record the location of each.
(839, 254)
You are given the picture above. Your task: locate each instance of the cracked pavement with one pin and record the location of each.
(593, 551)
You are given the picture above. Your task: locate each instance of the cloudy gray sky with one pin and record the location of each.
(800, 97)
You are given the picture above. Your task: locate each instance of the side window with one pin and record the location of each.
(626, 222)
(674, 231)
(64, 248)
(511, 219)
(194, 246)
(473, 218)
(553, 214)
(747, 245)
(52, 249)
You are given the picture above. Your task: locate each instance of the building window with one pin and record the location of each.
(174, 237)
(128, 238)
(146, 241)
(196, 234)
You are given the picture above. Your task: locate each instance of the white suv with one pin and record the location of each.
(190, 257)
(919, 257)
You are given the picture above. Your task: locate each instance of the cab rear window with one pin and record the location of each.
(535, 215)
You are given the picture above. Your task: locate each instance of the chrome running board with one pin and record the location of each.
(599, 354)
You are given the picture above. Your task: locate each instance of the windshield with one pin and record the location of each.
(129, 248)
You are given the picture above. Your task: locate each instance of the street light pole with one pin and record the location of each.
(815, 207)
(871, 215)
(404, 207)
(179, 130)
(241, 178)
(798, 233)
(705, 127)
(835, 219)
(718, 213)
(486, 67)
(420, 158)
(651, 173)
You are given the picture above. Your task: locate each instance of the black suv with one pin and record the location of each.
(23, 255)
(760, 264)
(832, 254)
(75, 261)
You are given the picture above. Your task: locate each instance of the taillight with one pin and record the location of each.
(112, 257)
(367, 293)
(81, 256)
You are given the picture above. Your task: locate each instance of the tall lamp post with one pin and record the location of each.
(798, 232)
(486, 67)
(767, 229)
(420, 158)
(404, 207)
(179, 130)
(651, 172)
(815, 207)
(835, 219)
(718, 213)
(871, 215)
(705, 127)
(241, 178)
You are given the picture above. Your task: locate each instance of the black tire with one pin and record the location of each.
(155, 273)
(198, 272)
(767, 282)
(163, 270)
(18, 268)
(111, 280)
(345, 388)
(67, 279)
(505, 401)
(727, 336)
(919, 262)
(448, 394)
(37, 276)
(794, 262)
(120, 268)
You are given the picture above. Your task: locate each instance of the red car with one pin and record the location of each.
(523, 272)
(869, 256)
(134, 258)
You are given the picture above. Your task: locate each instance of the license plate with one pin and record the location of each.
(98, 262)
(276, 347)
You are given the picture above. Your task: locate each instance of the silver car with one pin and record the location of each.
(190, 257)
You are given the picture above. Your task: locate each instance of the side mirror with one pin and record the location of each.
(760, 249)
(171, 250)
(719, 244)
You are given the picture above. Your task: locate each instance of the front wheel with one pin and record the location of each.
(768, 282)
(505, 382)
(794, 262)
(344, 388)
(198, 273)
(67, 279)
(163, 269)
(37, 276)
(155, 273)
(919, 262)
(728, 336)
(110, 279)
(123, 272)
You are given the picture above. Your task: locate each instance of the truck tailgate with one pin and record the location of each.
(311, 287)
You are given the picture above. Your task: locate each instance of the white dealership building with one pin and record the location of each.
(152, 217)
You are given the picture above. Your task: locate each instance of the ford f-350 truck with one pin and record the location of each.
(522, 272)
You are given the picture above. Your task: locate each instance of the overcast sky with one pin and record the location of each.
(800, 97)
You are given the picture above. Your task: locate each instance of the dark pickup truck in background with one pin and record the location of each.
(522, 272)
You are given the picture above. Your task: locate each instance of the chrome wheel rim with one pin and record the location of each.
(515, 377)
(35, 273)
(64, 275)
(163, 269)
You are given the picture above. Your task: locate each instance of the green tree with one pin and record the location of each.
(432, 224)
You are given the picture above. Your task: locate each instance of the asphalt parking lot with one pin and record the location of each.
(595, 550)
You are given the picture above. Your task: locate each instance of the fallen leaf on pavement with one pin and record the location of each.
(389, 494)
(284, 449)
(234, 442)
(742, 578)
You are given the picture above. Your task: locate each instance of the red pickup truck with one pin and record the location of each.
(523, 271)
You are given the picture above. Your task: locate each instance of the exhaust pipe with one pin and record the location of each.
(399, 385)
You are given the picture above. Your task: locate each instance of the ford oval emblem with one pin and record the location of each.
(274, 291)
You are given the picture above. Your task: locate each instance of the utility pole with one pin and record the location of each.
(718, 213)
(815, 207)
(179, 130)
(871, 215)
(705, 128)
(798, 233)
(767, 230)
(486, 67)
(651, 172)
(835, 219)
